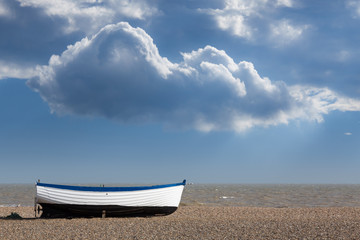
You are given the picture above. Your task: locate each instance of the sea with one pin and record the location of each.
(246, 195)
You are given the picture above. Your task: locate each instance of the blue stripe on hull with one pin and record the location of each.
(108, 189)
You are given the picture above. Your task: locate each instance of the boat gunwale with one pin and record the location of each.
(108, 189)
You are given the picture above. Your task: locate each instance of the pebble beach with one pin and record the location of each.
(192, 222)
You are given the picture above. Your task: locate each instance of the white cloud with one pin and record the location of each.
(354, 6)
(285, 3)
(11, 70)
(316, 102)
(283, 32)
(248, 72)
(211, 53)
(242, 18)
(119, 74)
(134, 9)
(4, 10)
(348, 133)
(235, 15)
(234, 23)
(91, 15)
(34, 29)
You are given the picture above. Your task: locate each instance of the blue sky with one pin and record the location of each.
(157, 91)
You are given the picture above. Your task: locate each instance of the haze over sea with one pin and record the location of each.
(249, 195)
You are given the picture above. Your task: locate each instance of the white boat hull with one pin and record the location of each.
(59, 200)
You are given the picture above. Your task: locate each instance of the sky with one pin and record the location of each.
(212, 91)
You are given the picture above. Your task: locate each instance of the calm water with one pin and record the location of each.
(230, 195)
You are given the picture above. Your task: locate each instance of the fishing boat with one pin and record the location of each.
(54, 201)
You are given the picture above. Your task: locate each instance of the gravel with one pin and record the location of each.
(192, 222)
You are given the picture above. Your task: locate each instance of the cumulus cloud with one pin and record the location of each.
(33, 30)
(90, 15)
(242, 19)
(235, 15)
(118, 73)
(234, 23)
